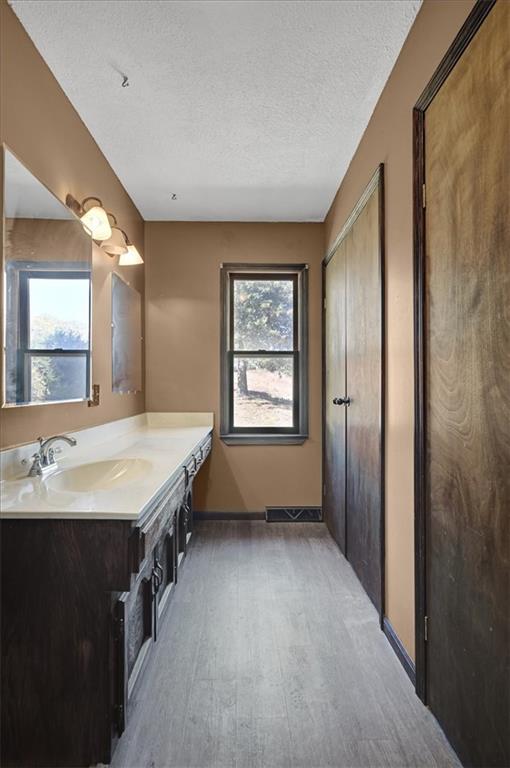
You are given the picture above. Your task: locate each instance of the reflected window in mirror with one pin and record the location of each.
(47, 312)
(54, 345)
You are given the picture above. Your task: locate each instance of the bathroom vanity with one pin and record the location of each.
(91, 554)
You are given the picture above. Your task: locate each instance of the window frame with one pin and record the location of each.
(298, 433)
(25, 352)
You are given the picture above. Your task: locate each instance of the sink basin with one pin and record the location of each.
(98, 476)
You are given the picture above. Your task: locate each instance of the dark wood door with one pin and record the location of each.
(335, 387)
(353, 352)
(364, 389)
(467, 397)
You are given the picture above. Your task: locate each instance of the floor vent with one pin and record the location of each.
(293, 514)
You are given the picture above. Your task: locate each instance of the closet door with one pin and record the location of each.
(466, 457)
(334, 388)
(364, 388)
(353, 390)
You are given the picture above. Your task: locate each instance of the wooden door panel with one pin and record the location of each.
(353, 360)
(364, 388)
(334, 415)
(467, 355)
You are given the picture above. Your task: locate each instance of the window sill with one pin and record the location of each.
(251, 439)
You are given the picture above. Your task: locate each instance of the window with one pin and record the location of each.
(54, 346)
(264, 366)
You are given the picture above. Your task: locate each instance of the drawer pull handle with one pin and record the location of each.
(156, 580)
(155, 585)
(159, 568)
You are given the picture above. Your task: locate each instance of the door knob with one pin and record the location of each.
(341, 401)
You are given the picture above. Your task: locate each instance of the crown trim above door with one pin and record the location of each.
(376, 180)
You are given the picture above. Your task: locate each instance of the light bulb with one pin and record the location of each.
(95, 221)
(130, 257)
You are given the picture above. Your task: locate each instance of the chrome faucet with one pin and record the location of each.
(45, 456)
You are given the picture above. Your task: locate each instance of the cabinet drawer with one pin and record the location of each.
(203, 452)
(190, 469)
(160, 517)
(196, 460)
(206, 448)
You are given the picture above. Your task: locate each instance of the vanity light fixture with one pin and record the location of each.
(129, 254)
(94, 219)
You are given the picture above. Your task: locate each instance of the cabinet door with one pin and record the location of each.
(165, 563)
(134, 631)
(181, 524)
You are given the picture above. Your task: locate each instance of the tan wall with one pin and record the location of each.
(388, 139)
(183, 347)
(41, 127)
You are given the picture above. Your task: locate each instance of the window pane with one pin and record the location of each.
(263, 392)
(58, 377)
(263, 315)
(59, 313)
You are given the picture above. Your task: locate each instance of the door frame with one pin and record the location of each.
(450, 59)
(376, 180)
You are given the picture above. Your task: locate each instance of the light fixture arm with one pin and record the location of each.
(124, 235)
(79, 208)
(92, 197)
(126, 238)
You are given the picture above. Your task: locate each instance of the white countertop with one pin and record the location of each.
(164, 441)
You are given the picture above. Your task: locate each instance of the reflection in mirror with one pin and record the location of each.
(126, 337)
(47, 274)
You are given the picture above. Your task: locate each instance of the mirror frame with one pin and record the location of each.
(3, 324)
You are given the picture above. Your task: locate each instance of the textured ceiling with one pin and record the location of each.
(247, 111)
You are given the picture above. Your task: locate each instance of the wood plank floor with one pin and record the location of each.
(271, 655)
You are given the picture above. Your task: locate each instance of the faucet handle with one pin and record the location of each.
(36, 468)
(40, 440)
(34, 457)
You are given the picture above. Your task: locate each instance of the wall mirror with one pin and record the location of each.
(47, 269)
(126, 337)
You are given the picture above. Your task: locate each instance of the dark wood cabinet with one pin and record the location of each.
(76, 639)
